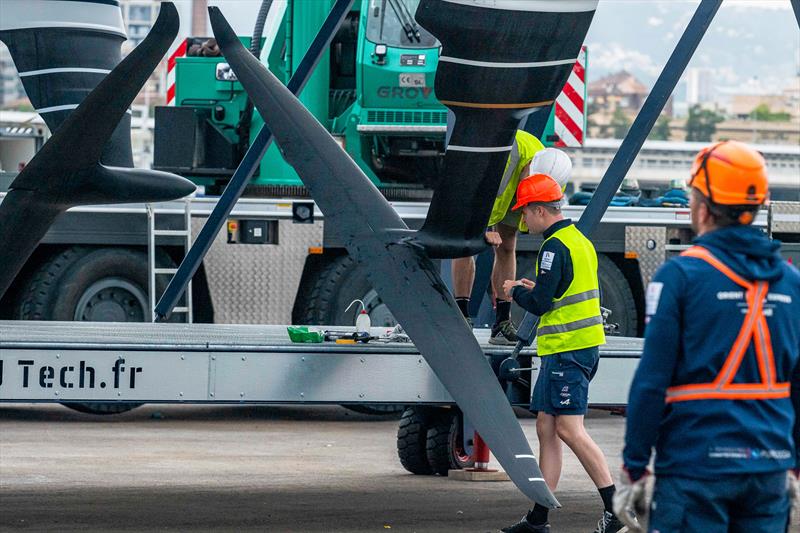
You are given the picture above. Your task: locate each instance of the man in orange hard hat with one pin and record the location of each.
(717, 391)
(566, 295)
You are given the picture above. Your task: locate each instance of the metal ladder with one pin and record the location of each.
(154, 270)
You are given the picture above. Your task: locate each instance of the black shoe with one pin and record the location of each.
(523, 526)
(504, 333)
(609, 523)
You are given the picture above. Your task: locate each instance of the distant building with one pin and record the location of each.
(199, 17)
(619, 90)
(616, 93)
(749, 131)
(742, 105)
(699, 86)
(759, 131)
(139, 16)
(11, 90)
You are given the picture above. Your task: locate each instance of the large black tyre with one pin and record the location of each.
(412, 436)
(340, 282)
(90, 284)
(616, 294)
(444, 446)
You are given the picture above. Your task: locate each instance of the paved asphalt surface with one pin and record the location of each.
(242, 468)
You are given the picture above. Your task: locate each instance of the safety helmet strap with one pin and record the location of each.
(704, 167)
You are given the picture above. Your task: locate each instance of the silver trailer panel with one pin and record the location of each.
(176, 363)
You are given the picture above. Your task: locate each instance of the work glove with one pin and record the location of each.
(631, 501)
(793, 488)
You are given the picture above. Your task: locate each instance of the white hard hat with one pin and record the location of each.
(553, 162)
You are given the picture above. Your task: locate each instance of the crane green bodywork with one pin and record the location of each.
(374, 91)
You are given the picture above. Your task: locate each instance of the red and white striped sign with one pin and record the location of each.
(179, 52)
(570, 119)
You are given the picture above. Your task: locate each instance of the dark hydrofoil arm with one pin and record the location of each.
(406, 279)
(67, 171)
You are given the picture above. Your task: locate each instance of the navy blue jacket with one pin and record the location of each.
(694, 314)
(555, 274)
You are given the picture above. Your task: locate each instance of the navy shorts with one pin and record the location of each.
(562, 387)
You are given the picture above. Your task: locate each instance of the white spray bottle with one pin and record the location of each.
(363, 322)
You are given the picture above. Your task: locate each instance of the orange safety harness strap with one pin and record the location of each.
(754, 329)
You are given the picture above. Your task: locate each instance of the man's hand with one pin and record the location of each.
(528, 284)
(631, 503)
(493, 238)
(508, 286)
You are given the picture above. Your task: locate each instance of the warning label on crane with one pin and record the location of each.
(412, 80)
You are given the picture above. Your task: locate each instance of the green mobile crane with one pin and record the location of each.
(373, 91)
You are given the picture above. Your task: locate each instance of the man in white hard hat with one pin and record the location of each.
(527, 157)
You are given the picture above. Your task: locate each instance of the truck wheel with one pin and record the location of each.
(339, 283)
(412, 436)
(90, 284)
(445, 443)
(616, 294)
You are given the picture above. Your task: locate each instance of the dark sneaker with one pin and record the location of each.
(523, 526)
(504, 333)
(609, 523)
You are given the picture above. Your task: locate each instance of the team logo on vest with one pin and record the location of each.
(547, 260)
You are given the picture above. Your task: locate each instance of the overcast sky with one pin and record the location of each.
(748, 38)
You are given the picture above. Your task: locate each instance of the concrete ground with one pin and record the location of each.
(240, 468)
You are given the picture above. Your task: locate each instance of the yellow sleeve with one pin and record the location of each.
(528, 146)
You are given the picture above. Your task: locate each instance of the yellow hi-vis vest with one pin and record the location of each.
(524, 148)
(574, 322)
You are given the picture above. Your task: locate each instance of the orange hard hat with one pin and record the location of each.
(539, 188)
(730, 173)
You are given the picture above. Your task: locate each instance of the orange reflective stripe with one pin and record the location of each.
(755, 302)
(701, 253)
(766, 340)
(730, 395)
(754, 329)
(762, 356)
(756, 386)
